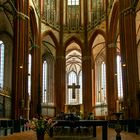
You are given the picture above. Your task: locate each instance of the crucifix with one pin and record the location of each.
(73, 86)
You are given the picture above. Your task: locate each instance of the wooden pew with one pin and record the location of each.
(3, 127)
(6, 127)
(19, 125)
(10, 127)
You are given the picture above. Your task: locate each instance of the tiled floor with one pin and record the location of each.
(31, 135)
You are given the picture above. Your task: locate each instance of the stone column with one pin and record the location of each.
(111, 77)
(26, 53)
(111, 65)
(60, 68)
(36, 94)
(129, 58)
(60, 84)
(19, 60)
(50, 93)
(86, 68)
(87, 84)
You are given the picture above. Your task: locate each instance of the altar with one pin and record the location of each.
(73, 105)
(74, 109)
(80, 124)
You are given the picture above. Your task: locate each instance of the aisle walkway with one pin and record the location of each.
(30, 135)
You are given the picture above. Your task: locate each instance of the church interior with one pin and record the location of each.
(75, 57)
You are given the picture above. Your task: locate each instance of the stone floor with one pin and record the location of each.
(31, 135)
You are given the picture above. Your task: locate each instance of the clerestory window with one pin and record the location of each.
(73, 2)
(49, 11)
(73, 14)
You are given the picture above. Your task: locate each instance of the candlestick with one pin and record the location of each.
(117, 106)
(118, 127)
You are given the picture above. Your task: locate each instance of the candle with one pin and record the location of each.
(117, 106)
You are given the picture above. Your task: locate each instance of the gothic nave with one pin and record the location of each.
(76, 57)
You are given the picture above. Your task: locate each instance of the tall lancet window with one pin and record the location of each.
(49, 11)
(29, 74)
(1, 64)
(119, 78)
(44, 87)
(80, 90)
(73, 14)
(101, 83)
(73, 77)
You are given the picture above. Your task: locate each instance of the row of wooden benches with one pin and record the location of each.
(8, 127)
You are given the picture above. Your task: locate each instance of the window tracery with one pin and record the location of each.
(73, 14)
(49, 11)
(97, 11)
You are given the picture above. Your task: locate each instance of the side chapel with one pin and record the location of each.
(71, 56)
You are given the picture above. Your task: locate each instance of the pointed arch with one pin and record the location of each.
(34, 29)
(94, 35)
(51, 34)
(71, 40)
(114, 22)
